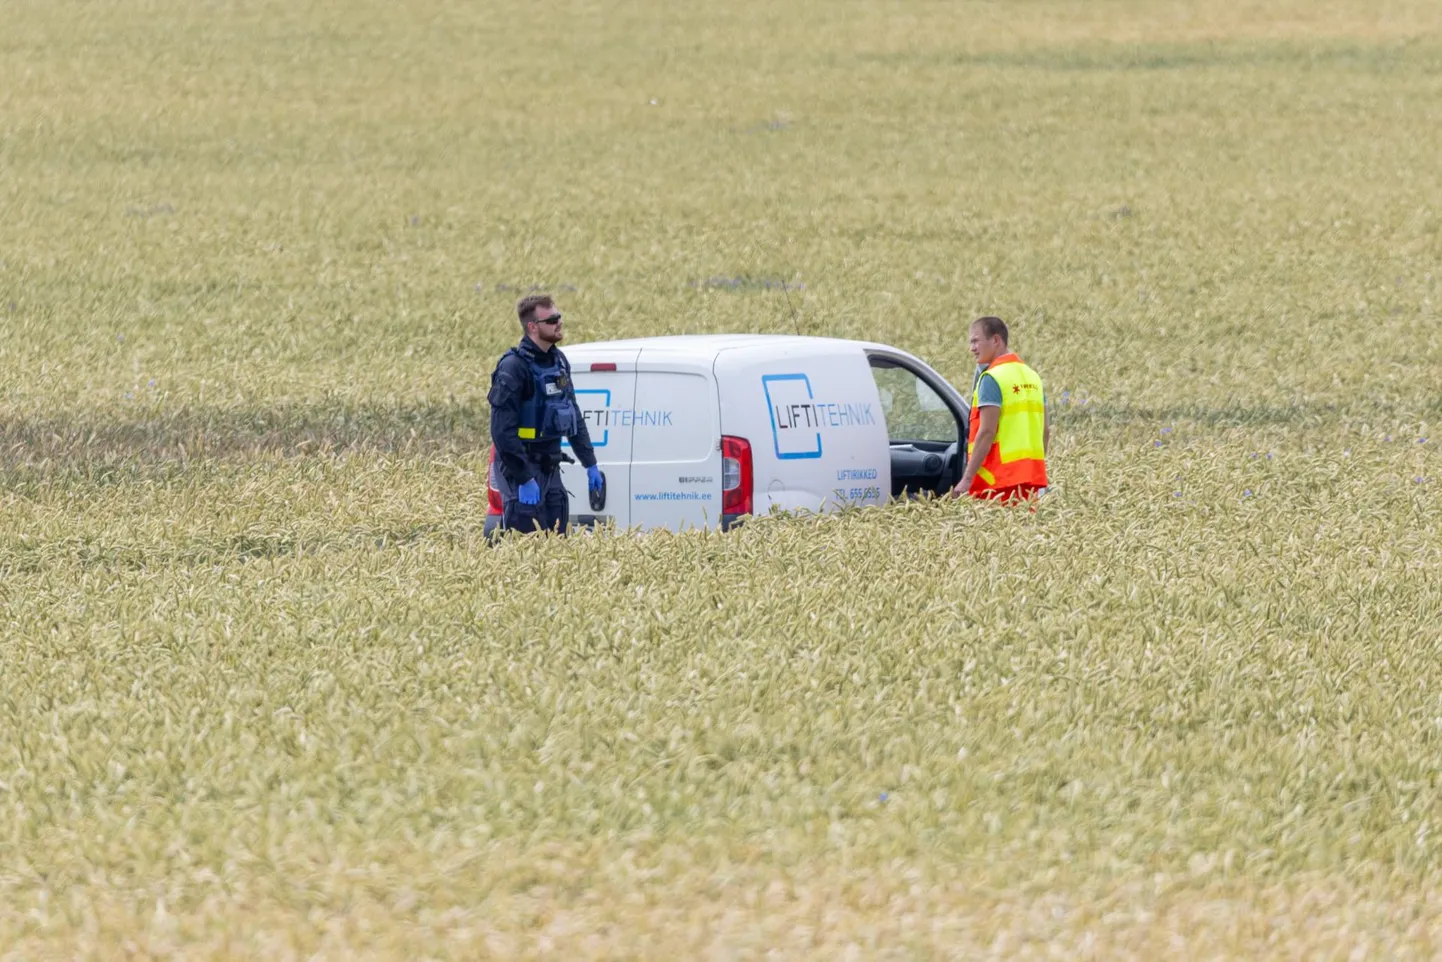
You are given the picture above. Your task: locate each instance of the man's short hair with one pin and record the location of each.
(991, 327)
(526, 307)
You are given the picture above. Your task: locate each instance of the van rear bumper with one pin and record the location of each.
(493, 522)
(728, 521)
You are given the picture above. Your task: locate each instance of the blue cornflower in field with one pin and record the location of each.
(1247, 493)
(1421, 440)
(1156, 444)
(883, 797)
(1166, 430)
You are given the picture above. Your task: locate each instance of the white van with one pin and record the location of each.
(701, 431)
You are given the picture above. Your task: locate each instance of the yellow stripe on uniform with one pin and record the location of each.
(1020, 454)
(528, 434)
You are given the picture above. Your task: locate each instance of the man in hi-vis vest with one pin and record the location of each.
(1008, 436)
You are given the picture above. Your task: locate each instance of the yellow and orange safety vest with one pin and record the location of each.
(1018, 457)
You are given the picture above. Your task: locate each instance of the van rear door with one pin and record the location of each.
(605, 382)
(676, 446)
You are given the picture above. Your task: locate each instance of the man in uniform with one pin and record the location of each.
(533, 406)
(1009, 432)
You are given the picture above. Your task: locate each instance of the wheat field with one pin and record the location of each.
(266, 692)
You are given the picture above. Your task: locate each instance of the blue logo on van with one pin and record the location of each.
(797, 417)
(586, 413)
(788, 398)
(596, 411)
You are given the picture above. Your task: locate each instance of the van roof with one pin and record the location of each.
(709, 345)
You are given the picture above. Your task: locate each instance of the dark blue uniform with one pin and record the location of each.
(533, 405)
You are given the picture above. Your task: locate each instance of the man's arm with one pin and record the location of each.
(581, 440)
(985, 438)
(507, 385)
(581, 444)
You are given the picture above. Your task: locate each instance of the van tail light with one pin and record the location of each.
(493, 493)
(603, 365)
(736, 476)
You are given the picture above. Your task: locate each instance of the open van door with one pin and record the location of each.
(926, 422)
(605, 382)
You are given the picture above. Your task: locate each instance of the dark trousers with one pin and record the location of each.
(551, 514)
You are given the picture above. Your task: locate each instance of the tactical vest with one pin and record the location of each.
(1018, 456)
(548, 412)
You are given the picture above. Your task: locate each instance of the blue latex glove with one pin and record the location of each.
(529, 493)
(593, 477)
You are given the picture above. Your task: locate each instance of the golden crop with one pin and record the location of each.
(266, 693)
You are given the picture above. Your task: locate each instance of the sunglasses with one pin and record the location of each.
(553, 319)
